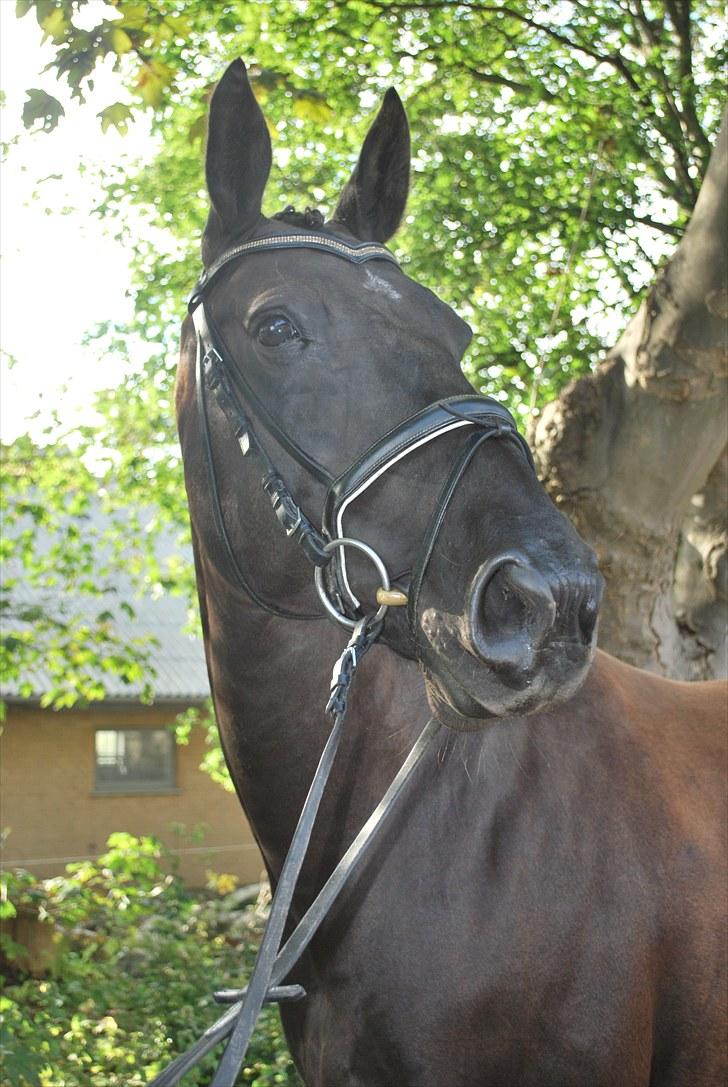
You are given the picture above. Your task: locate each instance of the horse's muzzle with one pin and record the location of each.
(525, 638)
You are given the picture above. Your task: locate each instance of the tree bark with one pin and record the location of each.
(701, 577)
(632, 453)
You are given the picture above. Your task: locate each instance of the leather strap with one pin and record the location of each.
(354, 252)
(445, 498)
(242, 430)
(442, 417)
(213, 341)
(272, 965)
(311, 920)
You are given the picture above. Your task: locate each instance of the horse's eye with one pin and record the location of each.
(275, 330)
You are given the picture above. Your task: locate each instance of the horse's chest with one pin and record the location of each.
(439, 980)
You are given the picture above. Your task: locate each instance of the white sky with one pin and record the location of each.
(60, 272)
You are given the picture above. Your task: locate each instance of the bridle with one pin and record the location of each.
(217, 373)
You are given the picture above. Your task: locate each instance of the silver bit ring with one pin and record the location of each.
(359, 545)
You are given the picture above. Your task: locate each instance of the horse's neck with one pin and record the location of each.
(271, 682)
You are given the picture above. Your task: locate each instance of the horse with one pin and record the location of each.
(545, 905)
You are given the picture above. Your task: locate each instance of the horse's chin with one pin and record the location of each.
(470, 711)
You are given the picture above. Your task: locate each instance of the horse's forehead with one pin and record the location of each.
(379, 285)
(323, 272)
(348, 289)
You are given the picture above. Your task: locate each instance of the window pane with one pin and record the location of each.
(134, 758)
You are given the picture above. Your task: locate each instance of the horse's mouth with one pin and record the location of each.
(466, 716)
(470, 706)
(456, 708)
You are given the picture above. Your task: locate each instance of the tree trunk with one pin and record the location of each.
(701, 576)
(634, 454)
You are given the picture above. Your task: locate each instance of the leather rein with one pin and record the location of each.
(218, 375)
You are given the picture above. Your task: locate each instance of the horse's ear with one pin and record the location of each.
(373, 201)
(238, 159)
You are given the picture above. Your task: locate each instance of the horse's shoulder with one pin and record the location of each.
(647, 695)
(670, 738)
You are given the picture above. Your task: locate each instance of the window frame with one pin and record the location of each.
(136, 787)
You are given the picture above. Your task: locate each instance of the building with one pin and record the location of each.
(70, 778)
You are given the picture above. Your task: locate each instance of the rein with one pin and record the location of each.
(274, 963)
(217, 374)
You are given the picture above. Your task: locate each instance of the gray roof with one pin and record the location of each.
(176, 653)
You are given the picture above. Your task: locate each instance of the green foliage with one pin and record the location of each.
(520, 119)
(520, 123)
(213, 762)
(131, 987)
(62, 618)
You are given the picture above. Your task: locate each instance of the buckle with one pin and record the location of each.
(212, 362)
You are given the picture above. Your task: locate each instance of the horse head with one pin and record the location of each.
(334, 353)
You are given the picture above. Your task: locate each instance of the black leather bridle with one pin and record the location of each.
(217, 373)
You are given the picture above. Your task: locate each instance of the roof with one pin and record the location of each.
(173, 651)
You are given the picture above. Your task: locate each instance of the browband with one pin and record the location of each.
(354, 252)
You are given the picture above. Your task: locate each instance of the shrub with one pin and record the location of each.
(138, 958)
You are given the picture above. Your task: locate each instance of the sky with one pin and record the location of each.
(61, 272)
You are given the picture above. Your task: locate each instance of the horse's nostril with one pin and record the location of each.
(511, 610)
(588, 613)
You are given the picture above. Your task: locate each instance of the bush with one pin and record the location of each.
(131, 984)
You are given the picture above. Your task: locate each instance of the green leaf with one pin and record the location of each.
(31, 614)
(135, 15)
(42, 108)
(117, 115)
(152, 81)
(120, 41)
(312, 107)
(22, 7)
(7, 910)
(55, 26)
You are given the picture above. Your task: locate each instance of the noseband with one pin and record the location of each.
(216, 372)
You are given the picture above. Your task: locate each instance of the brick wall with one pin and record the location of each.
(49, 806)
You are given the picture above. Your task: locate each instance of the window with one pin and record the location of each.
(134, 760)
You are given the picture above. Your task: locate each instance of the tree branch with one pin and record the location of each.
(681, 162)
(612, 59)
(680, 16)
(655, 224)
(512, 84)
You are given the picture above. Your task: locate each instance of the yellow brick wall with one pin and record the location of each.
(51, 814)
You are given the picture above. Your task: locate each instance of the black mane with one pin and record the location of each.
(311, 218)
